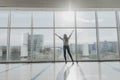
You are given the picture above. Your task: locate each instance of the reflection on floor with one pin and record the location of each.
(61, 71)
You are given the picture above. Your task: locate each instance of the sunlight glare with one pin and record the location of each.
(68, 16)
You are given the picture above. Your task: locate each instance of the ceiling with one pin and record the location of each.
(61, 3)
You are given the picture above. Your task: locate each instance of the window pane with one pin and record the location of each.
(3, 44)
(3, 18)
(19, 44)
(86, 44)
(108, 45)
(43, 19)
(43, 45)
(85, 19)
(20, 19)
(59, 55)
(106, 19)
(64, 19)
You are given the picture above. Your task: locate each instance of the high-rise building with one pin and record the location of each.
(37, 46)
(31, 44)
(108, 46)
(24, 47)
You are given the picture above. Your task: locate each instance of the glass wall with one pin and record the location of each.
(20, 44)
(20, 19)
(106, 19)
(108, 46)
(43, 19)
(3, 44)
(64, 19)
(86, 44)
(31, 35)
(108, 37)
(3, 34)
(86, 35)
(85, 19)
(4, 18)
(42, 45)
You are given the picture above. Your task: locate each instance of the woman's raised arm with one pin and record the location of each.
(58, 36)
(71, 34)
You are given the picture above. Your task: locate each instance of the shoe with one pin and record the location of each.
(65, 62)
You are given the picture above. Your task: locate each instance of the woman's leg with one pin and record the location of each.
(68, 49)
(64, 49)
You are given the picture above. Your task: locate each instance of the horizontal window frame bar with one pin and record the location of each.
(5, 62)
(52, 27)
(56, 27)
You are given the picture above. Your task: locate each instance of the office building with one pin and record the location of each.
(36, 47)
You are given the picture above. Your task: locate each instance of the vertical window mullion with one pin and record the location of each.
(8, 36)
(118, 35)
(31, 44)
(54, 33)
(75, 35)
(97, 34)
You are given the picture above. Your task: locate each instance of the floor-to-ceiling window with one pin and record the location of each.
(64, 24)
(42, 38)
(30, 35)
(108, 39)
(86, 35)
(3, 35)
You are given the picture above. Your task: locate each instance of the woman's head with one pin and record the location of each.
(65, 35)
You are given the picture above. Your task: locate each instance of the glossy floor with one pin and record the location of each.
(61, 71)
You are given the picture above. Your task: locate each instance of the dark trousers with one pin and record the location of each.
(68, 50)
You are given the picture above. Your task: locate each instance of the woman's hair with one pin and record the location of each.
(65, 37)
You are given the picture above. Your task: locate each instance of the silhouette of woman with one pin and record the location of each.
(66, 45)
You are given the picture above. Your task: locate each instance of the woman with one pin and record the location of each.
(66, 45)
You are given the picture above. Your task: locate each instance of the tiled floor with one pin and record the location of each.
(61, 71)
